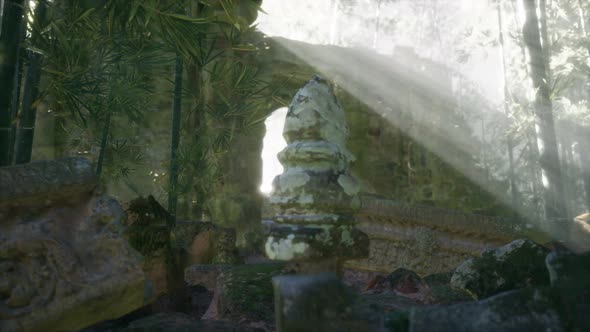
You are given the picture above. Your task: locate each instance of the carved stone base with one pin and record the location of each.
(315, 242)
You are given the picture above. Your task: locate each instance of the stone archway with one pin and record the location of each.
(273, 143)
(390, 161)
(237, 202)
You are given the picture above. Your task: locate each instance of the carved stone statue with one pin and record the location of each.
(315, 197)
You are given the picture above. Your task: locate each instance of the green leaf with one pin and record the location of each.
(187, 18)
(85, 15)
(245, 47)
(134, 7)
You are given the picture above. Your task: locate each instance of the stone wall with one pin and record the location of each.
(390, 161)
(236, 201)
(426, 239)
(430, 226)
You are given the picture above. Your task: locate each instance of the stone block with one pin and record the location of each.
(244, 293)
(317, 302)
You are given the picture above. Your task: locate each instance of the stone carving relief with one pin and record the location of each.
(63, 258)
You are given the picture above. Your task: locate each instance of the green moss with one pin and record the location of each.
(445, 294)
(442, 291)
(438, 279)
(148, 231)
(148, 239)
(248, 291)
(522, 267)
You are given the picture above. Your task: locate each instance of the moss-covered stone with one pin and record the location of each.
(446, 294)
(319, 302)
(150, 231)
(441, 290)
(64, 264)
(315, 242)
(516, 311)
(438, 278)
(147, 225)
(178, 322)
(518, 264)
(246, 292)
(569, 274)
(148, 239)
(315, 197)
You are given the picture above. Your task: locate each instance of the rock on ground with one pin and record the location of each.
(517, 311)
(518, 264)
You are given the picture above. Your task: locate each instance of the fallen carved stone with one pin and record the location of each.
(519, 264)
(64, 263)
(187, 242)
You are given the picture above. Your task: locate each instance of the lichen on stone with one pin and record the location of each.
(315, 197)
(284, 249)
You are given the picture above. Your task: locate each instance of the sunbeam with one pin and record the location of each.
(406, 76)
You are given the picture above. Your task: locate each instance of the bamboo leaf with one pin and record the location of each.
(134, 7)
(244, 47)
(85, 15)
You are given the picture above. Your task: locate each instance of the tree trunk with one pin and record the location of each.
(533, 155)
(18, 76)
(26, 125)
(583, 148)
(565, 174)
(545, 40)
(555, 212)
(584, 25)
(518, 23)
(533, 151)
(197, 83)
(103, 144)
(195, 130)
(484, 157)
(584, 134)
(12, 19)
(509, 141)
(176, 115)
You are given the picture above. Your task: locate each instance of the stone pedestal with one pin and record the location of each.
(311, 302)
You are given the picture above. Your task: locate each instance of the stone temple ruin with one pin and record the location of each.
(317, 206)
(65, 263)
